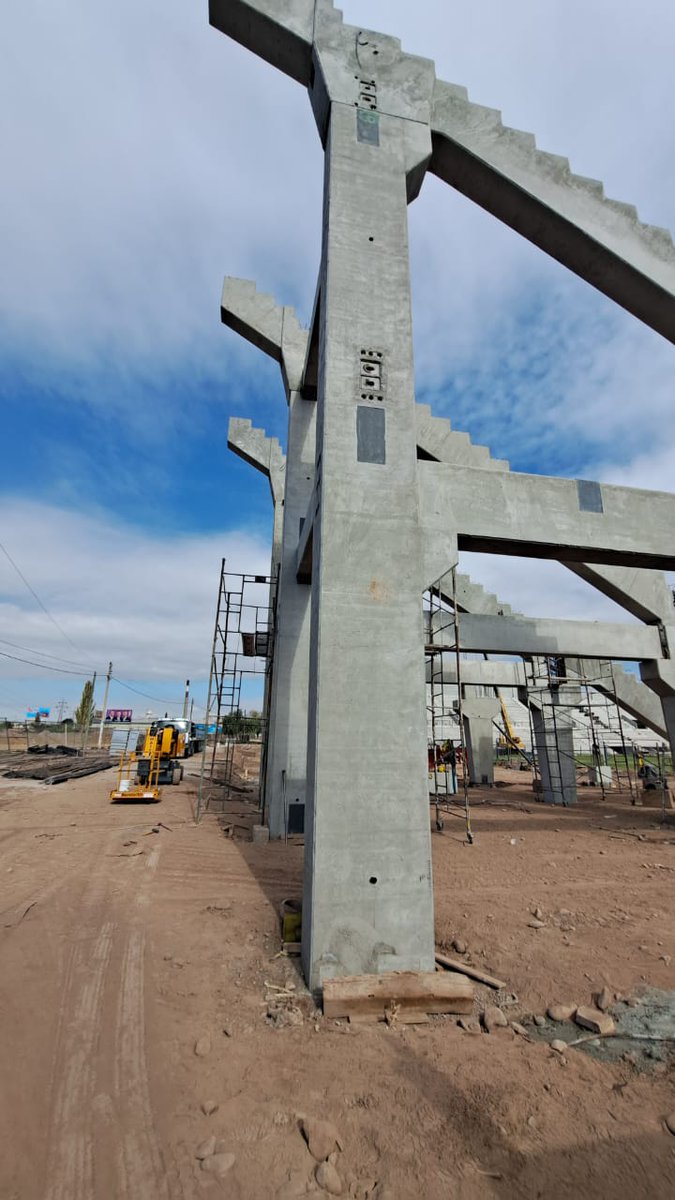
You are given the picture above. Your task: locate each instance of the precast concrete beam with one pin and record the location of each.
(280, 33)
(483, 674)
(623, 688)
(646, 594)
(259, 451)
(271, 327)
(568, 216)
(538, 516)
(531, 636)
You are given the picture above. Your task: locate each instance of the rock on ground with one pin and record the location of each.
(321, 1136)
(493, 1018)
(203, 1046)
(562, 1012)
(327, 1178)
(596, 1021)
(218, 1164)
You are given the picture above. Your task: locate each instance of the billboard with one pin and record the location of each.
(33, 713)
(119, 714)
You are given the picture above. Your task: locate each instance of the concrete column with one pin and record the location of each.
(368, 904)
(554, 744)
(479, 714)
(660, 677)
(286, 776)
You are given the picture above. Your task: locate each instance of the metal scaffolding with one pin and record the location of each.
(241, 649)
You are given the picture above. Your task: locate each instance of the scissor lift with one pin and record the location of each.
(129, 786)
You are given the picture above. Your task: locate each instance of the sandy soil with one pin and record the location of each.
(123, 948)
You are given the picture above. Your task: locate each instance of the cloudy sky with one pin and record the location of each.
(145, 156)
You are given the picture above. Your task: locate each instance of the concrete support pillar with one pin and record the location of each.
(368, 902)
(286, 774)
(479, 714)
(554, 745)
(660, 677)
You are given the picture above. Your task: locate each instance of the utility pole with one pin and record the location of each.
(105, 705)
(186, 698)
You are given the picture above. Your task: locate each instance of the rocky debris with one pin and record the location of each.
(670, 1122)
(558, 1046)
(459, 946)
(207, 1148)
(228, 1031)
(327, 1177)
(597, 1022)
(539, 1020)
(538, 914)
(218, 1164)
(283, 1015)
(519, 1029)
(469, 1024)
(203, 1046)
(321, 1136)
(562, 1012)
(208, 1107)
(493, 1018)
(603, 999)
(535, 923)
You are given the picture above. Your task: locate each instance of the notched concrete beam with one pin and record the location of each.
(271, 327)
(279, 32)
(566, 215)
(259, 451)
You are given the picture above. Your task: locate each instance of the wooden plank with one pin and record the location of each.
(421, 991)
(453, 964)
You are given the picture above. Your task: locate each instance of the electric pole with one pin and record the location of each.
(105, 705)
(186, 698)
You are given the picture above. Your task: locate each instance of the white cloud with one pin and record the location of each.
(144, 601)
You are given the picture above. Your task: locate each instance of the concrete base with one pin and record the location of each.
(261, 834)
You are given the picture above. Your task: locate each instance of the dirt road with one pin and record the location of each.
(123, 948)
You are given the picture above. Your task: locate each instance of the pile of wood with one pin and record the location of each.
(407, 997)
(54, 766)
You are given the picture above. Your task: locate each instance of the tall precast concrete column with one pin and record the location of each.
(368, 903)
(286, 779)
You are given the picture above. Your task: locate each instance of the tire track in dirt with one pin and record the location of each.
(70, 1173)
(141, 1169)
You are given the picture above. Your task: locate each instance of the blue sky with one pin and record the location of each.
(146, 156)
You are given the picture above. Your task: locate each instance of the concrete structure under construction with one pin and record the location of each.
(369, 524)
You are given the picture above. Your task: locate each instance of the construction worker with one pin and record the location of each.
(450, 760)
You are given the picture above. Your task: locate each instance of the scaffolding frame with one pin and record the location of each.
(242, 638)
(442, 617)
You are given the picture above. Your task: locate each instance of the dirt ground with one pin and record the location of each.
(124, 950)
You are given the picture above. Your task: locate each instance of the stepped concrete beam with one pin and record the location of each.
(279, 33)
(260, 451)
(437, 440)
(608, 677)
(272, 327)
(538, 516)
(532, 636)
(645, 594)
(566, 215)
(624, 689)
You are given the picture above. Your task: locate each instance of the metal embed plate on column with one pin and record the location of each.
(370, 434)
(367, 127)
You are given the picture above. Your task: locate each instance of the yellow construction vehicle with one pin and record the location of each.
(142, 772)
(508, 738)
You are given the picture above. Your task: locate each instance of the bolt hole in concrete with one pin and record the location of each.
(373, 879)
(371, 239)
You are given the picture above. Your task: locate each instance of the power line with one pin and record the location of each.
(36, 597)
(45, 666)
(44, 654)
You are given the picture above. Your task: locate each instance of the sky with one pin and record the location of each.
(145, 156)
